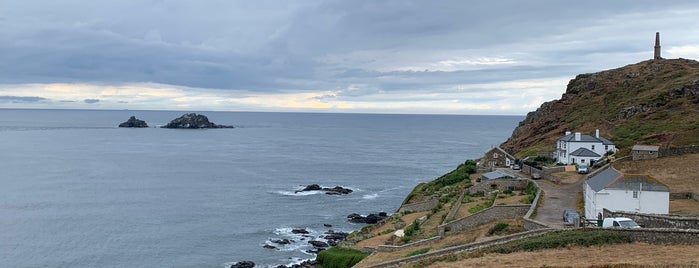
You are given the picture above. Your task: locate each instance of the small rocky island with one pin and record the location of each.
(337, 190)
(193, 121)
(133, 122)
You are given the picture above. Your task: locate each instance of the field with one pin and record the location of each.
(622, 255)
(679, 173)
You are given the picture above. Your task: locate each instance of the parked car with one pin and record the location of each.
(619, 223)
(516, 167)
(569, 214)
(536, 176)
(583, 169)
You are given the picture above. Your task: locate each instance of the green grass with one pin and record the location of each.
(418, 252)
(560, 239)
(336, 257)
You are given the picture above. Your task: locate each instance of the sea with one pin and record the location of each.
(77, 191)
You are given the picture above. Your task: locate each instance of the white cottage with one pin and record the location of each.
(577, 148)
(615, 191)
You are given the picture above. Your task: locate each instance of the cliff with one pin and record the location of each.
(650, 102)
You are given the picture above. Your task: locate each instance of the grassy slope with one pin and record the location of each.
(652, 102)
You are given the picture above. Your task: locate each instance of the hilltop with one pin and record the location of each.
(650, 102)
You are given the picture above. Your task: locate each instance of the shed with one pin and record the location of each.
(497, 174)
(640, 152)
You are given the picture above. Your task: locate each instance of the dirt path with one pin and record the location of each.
(556, 199)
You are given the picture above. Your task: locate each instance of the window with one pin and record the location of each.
(635, 194)
(582, 160)
(606, 148)
(593, 147)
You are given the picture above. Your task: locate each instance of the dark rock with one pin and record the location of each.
(304, 264)
(299, 231)
(243, 264)
(133, 122)
(269, 246)
(318, 244)
(193, 121)
(337, 190)
(327, 225)
(370, 219)
(282, 241)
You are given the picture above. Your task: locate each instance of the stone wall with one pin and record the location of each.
(691, 149)
(640, 155)
(684, 195)
(657, 221)
(499, 184)
(484, 216)
(420, 206)
(455, 207)
(389, 248)
(545, 173)
(660, 235)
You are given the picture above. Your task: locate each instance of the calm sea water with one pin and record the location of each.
(76, 191)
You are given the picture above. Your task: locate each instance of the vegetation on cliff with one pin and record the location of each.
(650, 102)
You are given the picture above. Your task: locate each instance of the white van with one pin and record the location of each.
(619, 223)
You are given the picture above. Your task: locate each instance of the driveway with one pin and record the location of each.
(556, 199)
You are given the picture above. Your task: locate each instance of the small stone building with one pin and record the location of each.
(640, 152)
(497, 157)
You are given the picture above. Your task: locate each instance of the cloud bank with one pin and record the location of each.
(480, 57)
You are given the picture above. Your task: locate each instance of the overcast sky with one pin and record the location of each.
(453, 57)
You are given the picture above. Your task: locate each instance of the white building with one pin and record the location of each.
(577, 148)
(615, 191)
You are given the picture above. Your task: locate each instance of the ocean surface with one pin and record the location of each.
(77, 191)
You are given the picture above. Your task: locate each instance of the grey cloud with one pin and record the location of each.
(91, 101)
(21, 99)
(274, 46)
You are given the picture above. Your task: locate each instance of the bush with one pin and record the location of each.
(336, 257)
(498, 228)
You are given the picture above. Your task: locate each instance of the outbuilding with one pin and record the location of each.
(640, 152)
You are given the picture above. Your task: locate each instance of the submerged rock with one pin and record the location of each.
(193, 121)
(133, 122)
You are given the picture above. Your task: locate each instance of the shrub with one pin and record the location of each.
(498, 228)
(336, 257)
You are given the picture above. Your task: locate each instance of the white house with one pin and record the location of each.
(577, 148)
(615, 191)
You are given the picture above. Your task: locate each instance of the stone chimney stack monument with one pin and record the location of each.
(656, 55)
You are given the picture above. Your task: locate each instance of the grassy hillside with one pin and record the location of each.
(650, 102)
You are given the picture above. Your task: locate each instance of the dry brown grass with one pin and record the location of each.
(684, 207)
(568, 177)
(479, 233)
(679, 173)
(643, 255)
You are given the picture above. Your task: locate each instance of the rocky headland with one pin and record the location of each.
(134, 122)
(193, 121)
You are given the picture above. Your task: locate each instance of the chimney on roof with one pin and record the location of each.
(577, 136)
(567, 133)
(597, 133)
(656, 54)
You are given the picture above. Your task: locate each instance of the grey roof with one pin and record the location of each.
(611, 178)
(600, 180)
(645, 148)
(584, 152)
(497, 174)
(586, 138)
(634, 182)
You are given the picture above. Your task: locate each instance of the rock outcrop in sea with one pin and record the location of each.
(193, 121)
(133, 122)
(337, 190)
(369, 219)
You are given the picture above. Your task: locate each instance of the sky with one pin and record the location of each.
(402, 56)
